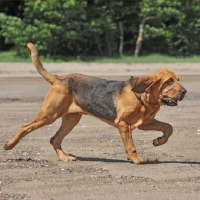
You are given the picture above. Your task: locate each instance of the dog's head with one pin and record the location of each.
(163, 87)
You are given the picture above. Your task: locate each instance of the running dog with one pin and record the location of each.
(125, 105)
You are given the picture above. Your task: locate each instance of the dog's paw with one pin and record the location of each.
(136, 160)
(67, 158)
(139, 161)
(156, 141)
(7, 147)
(148, 161)
(71, 158)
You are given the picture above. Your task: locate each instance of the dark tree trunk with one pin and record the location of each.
(139, 41)
(108, 45)
(98, 43)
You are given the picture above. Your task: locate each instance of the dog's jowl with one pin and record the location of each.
(125, 105)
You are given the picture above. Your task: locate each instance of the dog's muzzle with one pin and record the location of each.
(174, 101)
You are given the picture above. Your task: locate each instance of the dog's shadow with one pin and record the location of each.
(106, 160)
(92, 159)
(180, 162)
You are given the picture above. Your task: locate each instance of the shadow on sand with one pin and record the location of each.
(92, 159)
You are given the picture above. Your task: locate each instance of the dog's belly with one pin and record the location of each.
(97, 96)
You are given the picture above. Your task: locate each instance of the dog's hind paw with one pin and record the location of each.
(7, 147)
(67, 158)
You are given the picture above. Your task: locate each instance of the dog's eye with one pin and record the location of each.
(170, 81)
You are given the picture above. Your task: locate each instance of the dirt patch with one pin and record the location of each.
(32, 170)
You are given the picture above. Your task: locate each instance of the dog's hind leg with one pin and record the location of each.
(39, 121)
(55, 105)
(69, 121)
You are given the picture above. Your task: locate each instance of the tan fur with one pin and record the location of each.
(136, 106)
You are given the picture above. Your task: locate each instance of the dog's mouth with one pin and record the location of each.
(169, 102)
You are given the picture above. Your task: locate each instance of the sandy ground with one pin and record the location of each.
(32, 170)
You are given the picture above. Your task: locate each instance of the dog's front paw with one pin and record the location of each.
(146, 161)
(155, 142)
(159, 141)
(139, 161)
(135, 159)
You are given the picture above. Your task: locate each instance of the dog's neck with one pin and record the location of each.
(145, 100)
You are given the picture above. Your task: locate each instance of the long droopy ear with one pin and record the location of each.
(140, 85)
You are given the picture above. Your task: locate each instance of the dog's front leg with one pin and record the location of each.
(158, 126)
(126, 135)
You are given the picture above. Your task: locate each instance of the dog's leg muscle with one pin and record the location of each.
(69, 121)
(158, 126)
(54, 106)
(39, 121)
(126, 135)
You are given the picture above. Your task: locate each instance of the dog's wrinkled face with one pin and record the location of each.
(170, 89)
(163, 87)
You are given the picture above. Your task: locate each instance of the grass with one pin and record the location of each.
(153, 58)
(11, 56)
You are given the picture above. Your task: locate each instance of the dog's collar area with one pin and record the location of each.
(139, 99)
(144, 100)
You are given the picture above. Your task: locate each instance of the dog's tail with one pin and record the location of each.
(36, 61)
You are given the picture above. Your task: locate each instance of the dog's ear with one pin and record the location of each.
(140, 85)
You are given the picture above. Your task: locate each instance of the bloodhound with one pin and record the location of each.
(125, 105)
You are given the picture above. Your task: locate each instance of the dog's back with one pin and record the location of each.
(95, 95)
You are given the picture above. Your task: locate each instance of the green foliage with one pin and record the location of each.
(51, 26)
(91, 28)
(175, 28)
(13, 9)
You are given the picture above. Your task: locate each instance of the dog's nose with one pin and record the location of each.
(183, 90)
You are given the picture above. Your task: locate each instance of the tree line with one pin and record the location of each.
(101, 28)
